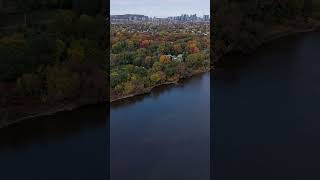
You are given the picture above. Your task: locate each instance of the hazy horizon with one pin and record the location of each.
(163, 8)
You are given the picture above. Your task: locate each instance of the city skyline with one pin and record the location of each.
(163, 8)
(199, 16)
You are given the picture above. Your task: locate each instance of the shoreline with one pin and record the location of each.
(275, 36)
(149, 90)
(146, 91)
(54, 110)
(70, 107)
(289, 33)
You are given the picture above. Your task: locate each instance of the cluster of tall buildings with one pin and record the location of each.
(192, 17)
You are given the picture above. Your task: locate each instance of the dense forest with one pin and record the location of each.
(52, 51)
(242, 25)
(145, 55)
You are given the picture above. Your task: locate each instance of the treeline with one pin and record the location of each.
(63, 60)
(88, 7)
(241, 25)
(141, 60)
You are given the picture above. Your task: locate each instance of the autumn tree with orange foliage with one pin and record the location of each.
(165, 59)
(145, 43)
(192, 47)
(177, 48)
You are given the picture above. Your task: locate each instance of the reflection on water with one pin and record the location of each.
(68, 145)
(164, 135)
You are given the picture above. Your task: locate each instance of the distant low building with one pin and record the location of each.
(128, 18)
(178, 58)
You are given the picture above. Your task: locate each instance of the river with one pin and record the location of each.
(164, 135)
(266, 117)
(65, 146)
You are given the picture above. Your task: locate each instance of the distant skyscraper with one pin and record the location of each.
(206, 18)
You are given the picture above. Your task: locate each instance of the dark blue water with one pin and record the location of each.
(165, 135)
(266, 112)
(65, 146)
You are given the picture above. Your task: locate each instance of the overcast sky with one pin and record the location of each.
(160, 8)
